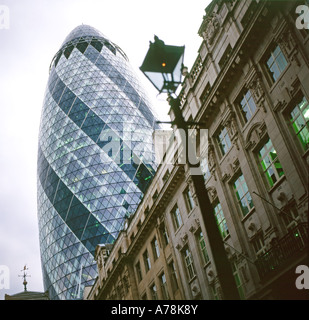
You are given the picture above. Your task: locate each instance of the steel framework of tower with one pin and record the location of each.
(95, 157)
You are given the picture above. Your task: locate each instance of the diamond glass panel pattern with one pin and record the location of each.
(95, 157)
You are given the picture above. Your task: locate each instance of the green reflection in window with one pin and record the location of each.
(270, 163)
(299, 119)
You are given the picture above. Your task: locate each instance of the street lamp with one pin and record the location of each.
(162, 66)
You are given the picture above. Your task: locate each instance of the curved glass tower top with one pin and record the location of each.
(95, 157)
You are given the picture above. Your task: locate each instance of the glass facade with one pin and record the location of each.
(95, 157)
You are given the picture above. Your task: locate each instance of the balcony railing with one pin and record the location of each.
(284, 250)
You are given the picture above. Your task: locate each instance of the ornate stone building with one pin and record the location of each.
(250, 86)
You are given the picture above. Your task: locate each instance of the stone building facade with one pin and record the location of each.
(250, 87)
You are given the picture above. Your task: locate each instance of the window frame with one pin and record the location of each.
(239, 200)
(146, 259)
(176, 217)
(220, 139)
(222, 221)
(296, 105)
(164, 287)
(269, 165)
(202, 246)
(154, 293)
(138, 270)
(247, 103)
(188, 199)
(189, 263)
(155, 248)
(258, 244)
(173, 275)
(271, 55)
(164, 234)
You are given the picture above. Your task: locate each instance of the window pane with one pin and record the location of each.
(224, 141)
(248, 106)
(276, 63)
(300, 122)
(243, 196)
(176, 218)
(270, 163)
(281, 62)
(221, 222)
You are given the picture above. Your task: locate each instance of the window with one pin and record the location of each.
(164, 290)
(276, 63)
(259, 244)
(146, 261)
(164, 234)
(290, 216)
(138, 271)
(216, 291)
(242, 194)
(155, 248)
(205, 169)
(154, 292)
(224, 141)
(176, 217)
(173, 274)
(269, 161)
(221, 222)
(299, 118)
(202, 245)
(188, 262)
(238, 280)
(247, 105)
(189, 199)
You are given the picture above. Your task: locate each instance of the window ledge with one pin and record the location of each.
(247, 124)
(225, 155)
(206, 264)
(277, 184)
(192, 279)
(305, 154)
(248, 215)
(273, 86)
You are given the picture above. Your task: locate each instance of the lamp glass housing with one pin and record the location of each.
(162, 65)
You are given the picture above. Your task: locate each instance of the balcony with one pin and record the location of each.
(284, 251)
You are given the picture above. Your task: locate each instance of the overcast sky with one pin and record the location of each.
(37, 28)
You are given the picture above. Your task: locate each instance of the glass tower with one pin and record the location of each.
(95, 157)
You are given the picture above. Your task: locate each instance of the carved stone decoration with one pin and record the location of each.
(184, 238)
(197, 221)
(288, 45)
(212, 192)
(235, 165)
(256, 87)
(230, 122)
(191, 188)
(195, 288)
(213, 174)
(211, 156)
(211, 26)
(235, 143)
(287, 41)
(255, 134)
